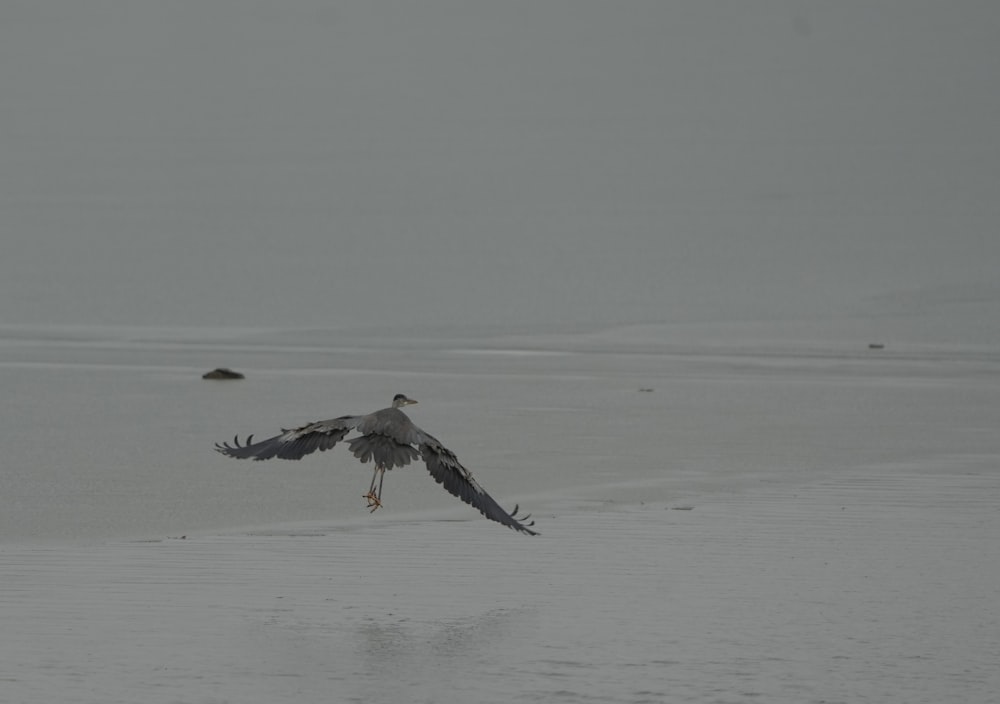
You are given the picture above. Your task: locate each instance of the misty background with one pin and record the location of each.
(553, 165)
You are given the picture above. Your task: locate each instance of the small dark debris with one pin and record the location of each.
(876, 346)
(682, 508)
(645, 390)
(222, 373)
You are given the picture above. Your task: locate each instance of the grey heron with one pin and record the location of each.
(391, 439)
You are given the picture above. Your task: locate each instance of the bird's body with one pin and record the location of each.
(390, 439)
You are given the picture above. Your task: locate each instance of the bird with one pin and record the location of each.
(390, 439)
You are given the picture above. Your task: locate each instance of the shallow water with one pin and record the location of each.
(796, 526)
(871, 585)
(109, 431)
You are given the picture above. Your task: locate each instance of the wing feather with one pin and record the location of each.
(385, 451)
(292, 444)
(458, 481)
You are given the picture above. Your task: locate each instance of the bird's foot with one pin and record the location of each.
(374, 501)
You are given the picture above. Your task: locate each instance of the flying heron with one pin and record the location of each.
(391, 439)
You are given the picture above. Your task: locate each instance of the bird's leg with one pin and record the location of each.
(378, 494)
(375, 497)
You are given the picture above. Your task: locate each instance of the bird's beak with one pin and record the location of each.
(410, 401)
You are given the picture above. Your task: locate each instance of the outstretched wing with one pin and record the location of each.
(449, 473)
(292, 444)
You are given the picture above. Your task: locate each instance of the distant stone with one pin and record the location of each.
(222, 373)
(876, 346)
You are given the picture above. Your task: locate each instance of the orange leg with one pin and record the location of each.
(374, 497)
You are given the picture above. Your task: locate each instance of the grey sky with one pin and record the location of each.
(516, 163)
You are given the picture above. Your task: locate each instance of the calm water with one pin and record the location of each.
(800, 526)
(109, 431)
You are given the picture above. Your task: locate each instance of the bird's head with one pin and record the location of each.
(400, 400)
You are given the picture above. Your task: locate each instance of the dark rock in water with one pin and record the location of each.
(222, 373)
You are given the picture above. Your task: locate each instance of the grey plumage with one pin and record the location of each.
(389, 439)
